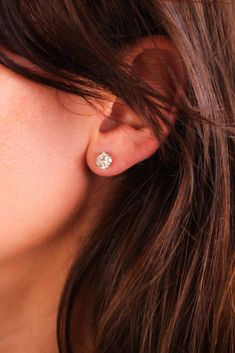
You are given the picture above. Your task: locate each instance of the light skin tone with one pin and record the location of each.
(51, 191)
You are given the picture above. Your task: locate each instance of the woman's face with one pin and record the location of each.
(43, 174)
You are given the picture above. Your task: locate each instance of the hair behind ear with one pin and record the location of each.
(168, 237)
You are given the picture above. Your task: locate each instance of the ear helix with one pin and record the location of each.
(104, 160)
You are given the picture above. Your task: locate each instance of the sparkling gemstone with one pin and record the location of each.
(104, 160)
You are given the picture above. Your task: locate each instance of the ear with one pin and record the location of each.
(122, 135)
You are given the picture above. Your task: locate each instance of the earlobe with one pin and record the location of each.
(114, 151)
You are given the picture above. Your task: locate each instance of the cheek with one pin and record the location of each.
(38, 194)
(43, 179)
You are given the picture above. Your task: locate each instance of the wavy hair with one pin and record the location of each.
(160, 263)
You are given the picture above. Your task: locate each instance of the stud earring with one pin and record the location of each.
(104, 160)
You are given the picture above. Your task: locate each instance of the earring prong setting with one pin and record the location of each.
(104, 160)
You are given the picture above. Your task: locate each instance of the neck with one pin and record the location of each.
(30, 289)
(31, 284)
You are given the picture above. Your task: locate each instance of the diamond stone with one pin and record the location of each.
(104, 160)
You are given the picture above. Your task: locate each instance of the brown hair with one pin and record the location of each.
(160, 265)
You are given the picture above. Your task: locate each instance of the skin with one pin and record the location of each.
(47, 192)
(51, 193)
